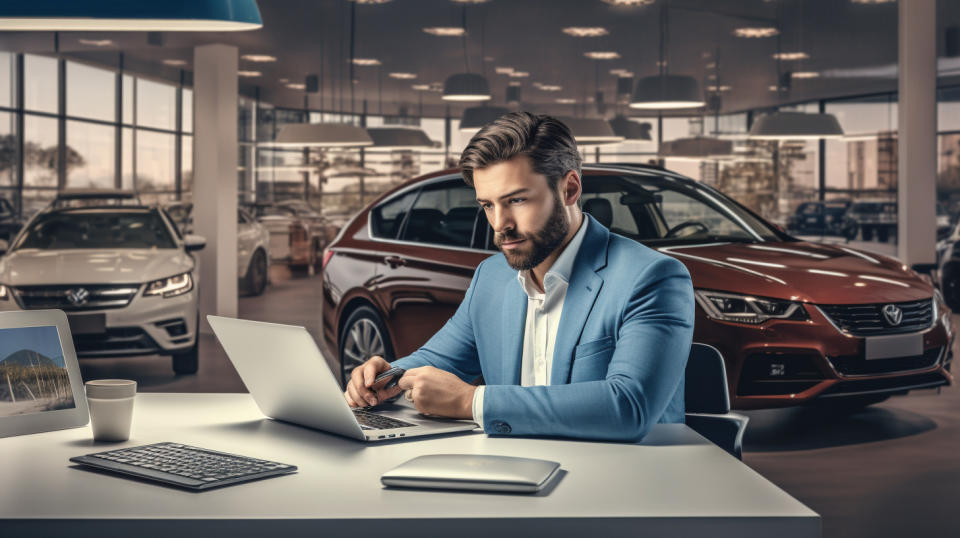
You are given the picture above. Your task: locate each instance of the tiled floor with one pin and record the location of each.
(892, 470)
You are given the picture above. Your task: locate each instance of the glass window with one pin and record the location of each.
(8, 150)
(7, 79)
(36, 199)
(155, 161)
(40, 149)
(387, 217)
(187, 110)
(41, 76)
(91, 92)
(128, 98)
(126, 159)
(444, 214)
(156, 104)
(246, 119)
(948, 108)
(91, 152)
(186, 164)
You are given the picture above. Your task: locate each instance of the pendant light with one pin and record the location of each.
(475, 118)
(396, 138)
(696, 147)
(466, 86)
(131, 15)
(665, 91)
(793, 125)
(589, 131)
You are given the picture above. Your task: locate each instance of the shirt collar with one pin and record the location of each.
(561, 269)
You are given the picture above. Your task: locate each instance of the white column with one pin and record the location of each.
(215, 177)
(917, 133)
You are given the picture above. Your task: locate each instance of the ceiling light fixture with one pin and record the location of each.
(403, 76)
(696, 147)
(630, 3)
(399, 138)
(248, 74)
(804, 74)
(795, 126)
(162, 16)
(421, 87)
(591, 130)
(666, 91)
(475, 118)
(519, 74)
(259, 58)
(366, 62)
(445, 31)
(629, 129)
(602, 55)
(756, 32)
(548, 87)
(503, 70)
(586, 31)
(566, 101)
(872, 2)
(321, 135)
(296, 86)
(720, 88)
(371, 2)
(466, 86)
(469, 1)
(173, 62)
(95, 42)
(789, 56)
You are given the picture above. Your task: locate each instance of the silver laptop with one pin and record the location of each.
(290, 380)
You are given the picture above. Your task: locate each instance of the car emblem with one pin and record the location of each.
(78, 296)
(892, 314)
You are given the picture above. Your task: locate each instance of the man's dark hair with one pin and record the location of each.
(546, 140)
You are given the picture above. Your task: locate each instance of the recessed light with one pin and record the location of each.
(519, 74)
(548, 87)
(621, 72)
(403, 76)
(96, 42)
(628, 2)
(259, 58)
(791, 56)
(602, 55)
(469, 1)
(248, 74)
(515, 83)
(421, 87)
(174, 62)
(371, 1)
(366, 61)
(283, 80)
(721, 88)
(872, 1)
(711, 65)
(585, 31)
(756, 32)
(773, 88)
(804, 74)
(566, 101)
(297, 86)
(488, 58)
(503, 70)
(445, 31)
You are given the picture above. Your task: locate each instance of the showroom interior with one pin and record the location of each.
(275, 154)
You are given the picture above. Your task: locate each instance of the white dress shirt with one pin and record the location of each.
(543, 320)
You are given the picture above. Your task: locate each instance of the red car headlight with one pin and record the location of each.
(741, 308)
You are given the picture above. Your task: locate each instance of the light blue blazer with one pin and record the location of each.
(620, 354)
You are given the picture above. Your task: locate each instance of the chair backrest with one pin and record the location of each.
(601, 209)
(706, 381)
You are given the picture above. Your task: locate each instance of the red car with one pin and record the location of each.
(795, 321)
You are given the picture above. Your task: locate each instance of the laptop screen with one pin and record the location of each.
(33, 373)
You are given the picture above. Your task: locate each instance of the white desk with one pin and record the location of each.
(673, 484)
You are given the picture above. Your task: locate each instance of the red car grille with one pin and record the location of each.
(868, 320)
(856, 365)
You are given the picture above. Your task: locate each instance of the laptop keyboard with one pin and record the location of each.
(373, 421)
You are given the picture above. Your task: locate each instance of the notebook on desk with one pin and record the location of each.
(290, 380)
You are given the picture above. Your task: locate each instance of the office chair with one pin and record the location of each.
(708, 402)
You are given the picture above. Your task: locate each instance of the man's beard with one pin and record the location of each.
(541, 244)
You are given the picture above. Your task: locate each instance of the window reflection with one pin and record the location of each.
(95, 148)
(155, 161)
(40, 152)
(156, 104)
(40, 79)
(91, 92)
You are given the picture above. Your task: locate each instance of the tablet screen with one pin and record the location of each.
(33, 373)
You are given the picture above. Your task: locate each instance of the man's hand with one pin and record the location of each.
(360, 390)
(438, 392)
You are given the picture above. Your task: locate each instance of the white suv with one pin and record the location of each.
(122, 273)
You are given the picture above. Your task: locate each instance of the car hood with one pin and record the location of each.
(91, 266)
(801, 271)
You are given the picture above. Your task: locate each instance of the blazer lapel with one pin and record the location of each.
(582, 292)
(514, 325)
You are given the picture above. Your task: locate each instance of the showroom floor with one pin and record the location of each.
(891, 470)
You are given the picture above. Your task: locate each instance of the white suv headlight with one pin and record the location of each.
(170, 287)
(747, 308)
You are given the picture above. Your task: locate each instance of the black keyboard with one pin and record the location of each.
(373, 421)
(183, 465)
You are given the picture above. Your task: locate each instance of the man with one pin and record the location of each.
(577, 332)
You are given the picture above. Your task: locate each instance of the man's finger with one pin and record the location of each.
(350, 400)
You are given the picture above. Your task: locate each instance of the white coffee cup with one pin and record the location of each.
(111, 408)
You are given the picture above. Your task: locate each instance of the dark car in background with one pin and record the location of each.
(878, 219)
(818, 218)
(796, 321)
